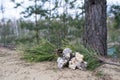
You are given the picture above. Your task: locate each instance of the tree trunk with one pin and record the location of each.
(36, 24)
(95, 30)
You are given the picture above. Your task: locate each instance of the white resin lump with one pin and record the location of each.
(61, 62)
(67, 53)
(64, 59)
(78, 62)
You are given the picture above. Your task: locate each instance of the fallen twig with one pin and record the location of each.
(108, 60)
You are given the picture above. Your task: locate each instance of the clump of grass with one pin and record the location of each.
(93, 62)
(100, 74)
(42, 52)
(89, 55)
(39, 58)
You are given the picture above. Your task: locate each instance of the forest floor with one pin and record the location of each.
(13, 68)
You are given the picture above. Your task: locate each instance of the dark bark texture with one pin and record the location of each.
(95, 30)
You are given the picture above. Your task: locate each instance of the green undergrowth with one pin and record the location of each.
(89, 55)
(93, 62)
(42, 52)
(45, 51)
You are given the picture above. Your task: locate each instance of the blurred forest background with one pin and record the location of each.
(57, 22)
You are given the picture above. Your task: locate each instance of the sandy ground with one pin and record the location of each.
(12, 68)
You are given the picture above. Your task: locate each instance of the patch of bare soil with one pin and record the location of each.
(108, 72)
(12, 68)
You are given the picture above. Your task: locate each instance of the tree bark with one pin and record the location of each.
(95, 30)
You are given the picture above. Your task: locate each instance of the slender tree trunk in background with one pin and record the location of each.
(95, 30)
(3, 21)
(36, 29)
(36, 24)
